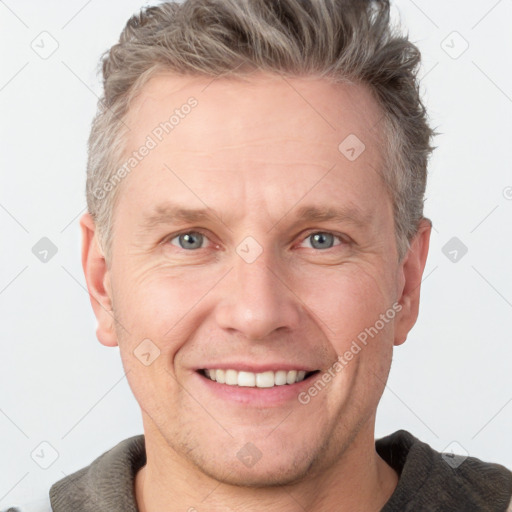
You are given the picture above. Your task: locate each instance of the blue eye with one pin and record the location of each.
(189, 240)
(322, 240)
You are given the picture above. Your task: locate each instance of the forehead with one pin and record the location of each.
(274, 103)
(268, 138)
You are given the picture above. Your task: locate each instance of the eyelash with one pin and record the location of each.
(341, 238)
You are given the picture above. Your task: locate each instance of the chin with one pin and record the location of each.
(274, 473)
(257, 461)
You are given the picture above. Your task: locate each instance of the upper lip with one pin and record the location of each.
(257, 368)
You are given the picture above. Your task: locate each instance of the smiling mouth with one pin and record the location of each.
(268, 379)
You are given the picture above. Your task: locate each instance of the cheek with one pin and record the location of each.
(347, 301)
(348, 310)
(154, 310)
(155, 301)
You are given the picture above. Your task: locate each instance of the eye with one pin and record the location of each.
(322, 240)
(188, 240)
(191, 240)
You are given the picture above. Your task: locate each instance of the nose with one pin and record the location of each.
(257, 299)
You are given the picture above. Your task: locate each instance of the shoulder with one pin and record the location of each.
(105, 484)
(442, 479)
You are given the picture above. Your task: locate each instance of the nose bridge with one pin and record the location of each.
(255, 300)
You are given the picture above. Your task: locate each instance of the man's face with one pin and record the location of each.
(252, 286)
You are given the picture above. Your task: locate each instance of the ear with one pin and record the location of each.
(410, 273)
(97, 276)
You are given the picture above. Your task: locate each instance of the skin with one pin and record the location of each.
(254, 152)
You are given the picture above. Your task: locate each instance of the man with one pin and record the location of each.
(255, 244)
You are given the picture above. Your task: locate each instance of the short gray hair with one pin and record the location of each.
(340, 40)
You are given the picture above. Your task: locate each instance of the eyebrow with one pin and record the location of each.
(169, 213)
(349, 213)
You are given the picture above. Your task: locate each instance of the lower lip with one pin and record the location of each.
(252, 396)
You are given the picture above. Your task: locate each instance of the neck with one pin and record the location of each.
(357, 480)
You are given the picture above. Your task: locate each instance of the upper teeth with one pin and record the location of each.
(260, 380)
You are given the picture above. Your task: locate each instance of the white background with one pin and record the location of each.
(451, 380)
